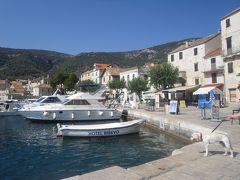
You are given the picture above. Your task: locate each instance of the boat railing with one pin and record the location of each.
(112, 104)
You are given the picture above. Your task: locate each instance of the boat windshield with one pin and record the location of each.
(40, 99)
(77, 102)
(52, 100)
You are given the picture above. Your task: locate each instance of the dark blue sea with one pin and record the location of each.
(31, 150)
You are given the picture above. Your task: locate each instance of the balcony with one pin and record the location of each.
(213, 68)
(231, 51)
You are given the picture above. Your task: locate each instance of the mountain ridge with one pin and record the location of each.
(30, 63)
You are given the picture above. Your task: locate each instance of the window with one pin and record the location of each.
(172, 58)
(196, 81)
(51, 100)
(213, 60)
(40, 99)
(172, 97)
(133, 76)
(230, 67)
(180, 55)
(195, 51)
(77, 102)
(227, 23)
(229, 43)
(195, 66)
(214, 77)
(127, 77)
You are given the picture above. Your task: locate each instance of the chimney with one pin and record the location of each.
(186, 44)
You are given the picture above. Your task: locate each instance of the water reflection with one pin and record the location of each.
(33, 151)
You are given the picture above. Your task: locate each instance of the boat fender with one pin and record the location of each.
(45, 113)
(54, 116)
(100, 113)
(89, 113)
(111, 114)
(59, 133)
(72, 115)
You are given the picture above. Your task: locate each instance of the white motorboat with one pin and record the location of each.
(77, 107)
(43, 100)
(9, 108)
(100, 130)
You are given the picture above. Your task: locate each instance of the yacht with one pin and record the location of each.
(43, 100)
(77, 107)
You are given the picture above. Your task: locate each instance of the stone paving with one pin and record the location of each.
(187, 162)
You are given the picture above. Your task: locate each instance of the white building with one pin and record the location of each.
(42, 90)
(86, 76)
(128, 75)
(131, 73)
(189, 59)
(213, 69)
(230, 32)
(111, 73)
(4, 90)
(95, 74)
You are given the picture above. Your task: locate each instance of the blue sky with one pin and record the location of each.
(75, 26)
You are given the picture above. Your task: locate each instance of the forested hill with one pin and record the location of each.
(27, 63)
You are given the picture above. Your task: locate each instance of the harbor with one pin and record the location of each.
(187, 162)
(28, 146)
(112, 90)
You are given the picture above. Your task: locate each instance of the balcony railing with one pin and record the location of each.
(231, 51)
(213, 68)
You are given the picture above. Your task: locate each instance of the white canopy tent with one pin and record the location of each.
(206, 90)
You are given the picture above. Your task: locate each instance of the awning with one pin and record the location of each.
(214, 85)
(181, 88)
(206, 90)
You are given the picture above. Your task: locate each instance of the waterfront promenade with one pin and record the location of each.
(187, 162)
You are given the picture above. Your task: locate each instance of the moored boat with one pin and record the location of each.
(77, 107)
(9, 108)
(100, 130)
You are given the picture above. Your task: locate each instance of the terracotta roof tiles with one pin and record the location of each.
(213, 53)
(46, 86)
(101, 66)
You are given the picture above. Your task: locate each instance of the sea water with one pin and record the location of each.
(31, 150)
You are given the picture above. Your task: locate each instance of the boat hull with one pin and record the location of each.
(73, 116)
(9, 113)
(66, 131)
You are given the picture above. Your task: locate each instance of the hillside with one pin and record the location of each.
(85, 61)
(24, 63)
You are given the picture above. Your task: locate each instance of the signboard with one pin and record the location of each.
(215, 111)
(182, 104)
(173, 107)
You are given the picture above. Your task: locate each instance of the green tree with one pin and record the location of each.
(58, 79)
(70, 81)
(138, 85)
(117, 85)
(163, 76)
(66, 81)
